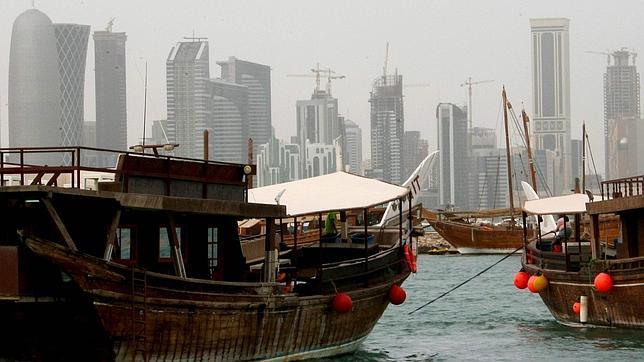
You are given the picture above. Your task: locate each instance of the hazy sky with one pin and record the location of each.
(439, 43)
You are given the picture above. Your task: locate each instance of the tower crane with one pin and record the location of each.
(110, 24)
(606, 53)
(317, 74)
(469, 85)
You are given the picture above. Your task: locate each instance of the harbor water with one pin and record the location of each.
(486, 319)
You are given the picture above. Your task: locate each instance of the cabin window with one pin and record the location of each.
(124, 236)
(164, 242)
(213, 239)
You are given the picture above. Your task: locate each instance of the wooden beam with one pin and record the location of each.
(111, 235)
(59, 223)
(175, 248)
(269, 251)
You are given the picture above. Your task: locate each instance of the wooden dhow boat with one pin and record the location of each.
(597, 278)
(147, 264)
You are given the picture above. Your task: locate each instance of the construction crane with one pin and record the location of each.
(384, 68)
(328, 73)
(110, 24)
(607, 53)
(469, 85)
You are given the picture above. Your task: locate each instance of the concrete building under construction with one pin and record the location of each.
(621, 114)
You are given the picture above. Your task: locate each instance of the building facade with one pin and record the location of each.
(415, 150)
(34, 98)
(353, 146)
(71, 45)
(317, 122)
(257, 79)
(454, 158)
(387, 128)
(277, 162)
(551, 93)
(228, 123)
(187, 77)
(111, 92)
(621, 115)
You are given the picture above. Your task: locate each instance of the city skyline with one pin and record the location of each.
(152, 35)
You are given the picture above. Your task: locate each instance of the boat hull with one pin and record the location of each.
(620, 307)
(471, 239)
(188, 320)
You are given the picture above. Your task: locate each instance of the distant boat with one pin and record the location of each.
(465, 230)
(149, 266)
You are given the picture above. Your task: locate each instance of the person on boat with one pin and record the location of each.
(562, 233)
(330, 231)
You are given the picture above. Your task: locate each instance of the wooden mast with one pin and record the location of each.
(507, 152)
(583, 157)
(533, 172)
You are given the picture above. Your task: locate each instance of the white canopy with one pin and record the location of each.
(332, 192)
(567, 204)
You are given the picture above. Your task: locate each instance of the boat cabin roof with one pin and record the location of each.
(566, 204)
(332, 192)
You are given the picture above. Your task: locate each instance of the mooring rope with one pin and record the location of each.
(465, 282)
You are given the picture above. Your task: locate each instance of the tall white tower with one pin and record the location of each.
(551, 94)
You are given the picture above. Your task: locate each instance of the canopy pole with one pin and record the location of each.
(409, 217)
(320, 246)
(366, 255)
(294, 252)
(400, 221)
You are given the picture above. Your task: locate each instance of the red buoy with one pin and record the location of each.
(342, 303)
(603, 282)
(531, 283)
(397, 295)
(576, 307)
(521, 279)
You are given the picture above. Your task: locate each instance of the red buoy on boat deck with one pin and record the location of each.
(342, 303)
(576, 307)
(397, 295)
(603, 282)
(521, 280)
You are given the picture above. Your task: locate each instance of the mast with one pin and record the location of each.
(583, 157)
(507, 152)
(533, 172)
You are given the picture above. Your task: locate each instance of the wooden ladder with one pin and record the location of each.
(139, 311)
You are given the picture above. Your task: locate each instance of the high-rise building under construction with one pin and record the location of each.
(387, 128)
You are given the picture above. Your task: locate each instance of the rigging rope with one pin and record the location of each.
(465, 282)
(593, 161)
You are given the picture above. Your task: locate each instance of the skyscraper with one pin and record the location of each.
(621, 115)
(228, 122)
(34, 91)
(71, 44)
(257, 78)
(353, 146)
(551, 93)
(111, 101)
(317, 121)
(187, 77)
(387, 128)
(454, 160)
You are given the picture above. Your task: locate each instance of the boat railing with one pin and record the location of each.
(71, 166)
(623, 187)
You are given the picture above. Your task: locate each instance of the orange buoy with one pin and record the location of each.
(531, 283)
(576, 307)
(521, 279)
(603, 282)
(342, 303)
(540, 283)
(397, 295)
